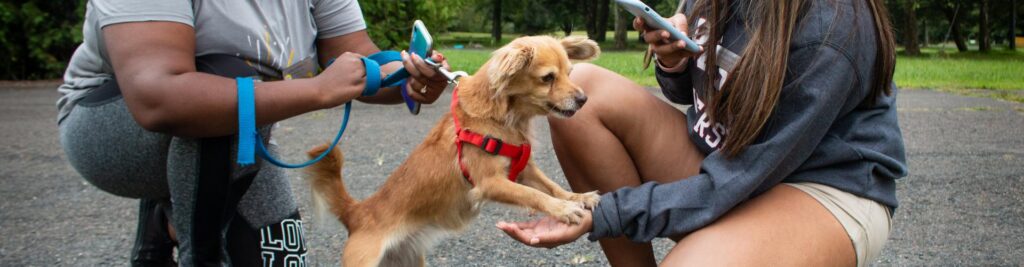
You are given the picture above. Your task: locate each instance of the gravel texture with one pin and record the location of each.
(963, 203)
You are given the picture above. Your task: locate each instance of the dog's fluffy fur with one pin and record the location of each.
(427, 198)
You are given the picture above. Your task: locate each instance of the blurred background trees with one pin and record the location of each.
(37, 37)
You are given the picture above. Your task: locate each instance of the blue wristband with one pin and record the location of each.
(246, 121)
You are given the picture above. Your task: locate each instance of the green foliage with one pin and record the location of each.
(533, 17)
(958, 72)
(625, 63)
(38, 37)
(390, 21)
(998, 70)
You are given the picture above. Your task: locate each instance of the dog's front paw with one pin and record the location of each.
(569, 212)
(588, 199)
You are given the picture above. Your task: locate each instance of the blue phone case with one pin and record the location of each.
(655, 20)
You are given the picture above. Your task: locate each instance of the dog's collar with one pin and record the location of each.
(519, 155)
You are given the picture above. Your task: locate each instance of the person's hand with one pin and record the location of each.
(546, 232)
(342, 81)
(669, 52)
(425, 83)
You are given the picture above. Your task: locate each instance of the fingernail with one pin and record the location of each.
(534, 240)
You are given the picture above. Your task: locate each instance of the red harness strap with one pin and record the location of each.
(520, 155)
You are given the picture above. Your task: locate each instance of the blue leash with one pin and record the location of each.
(250, 142)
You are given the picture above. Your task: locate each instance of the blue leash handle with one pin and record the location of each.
(262, 149)
(250, 142)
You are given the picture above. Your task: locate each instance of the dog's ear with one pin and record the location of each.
(508, 62)
(580, 48)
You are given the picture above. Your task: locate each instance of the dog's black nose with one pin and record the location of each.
(580, 100)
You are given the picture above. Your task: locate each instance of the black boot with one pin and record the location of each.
(153, 244)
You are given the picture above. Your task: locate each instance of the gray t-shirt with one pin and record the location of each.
(276, 37)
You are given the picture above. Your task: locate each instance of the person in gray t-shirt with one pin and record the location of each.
(149, 104)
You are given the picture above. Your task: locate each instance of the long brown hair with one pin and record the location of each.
(749, 95)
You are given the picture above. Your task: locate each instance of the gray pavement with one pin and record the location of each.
(963, 203)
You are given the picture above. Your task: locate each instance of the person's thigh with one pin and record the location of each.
(624, 135)
(107, 148)
(782, 227)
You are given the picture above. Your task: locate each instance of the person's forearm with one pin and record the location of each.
(203, 105)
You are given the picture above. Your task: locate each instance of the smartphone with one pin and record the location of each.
(422, 45)
(421, 42)
(652, 19)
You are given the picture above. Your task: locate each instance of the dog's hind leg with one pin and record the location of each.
(364, 250)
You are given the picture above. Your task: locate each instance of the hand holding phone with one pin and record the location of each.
(653, 19)
(421, 44)
(417, 63)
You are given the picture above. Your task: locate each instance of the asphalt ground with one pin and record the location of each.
(963, 203)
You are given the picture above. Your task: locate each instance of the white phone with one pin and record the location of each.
(652, 18)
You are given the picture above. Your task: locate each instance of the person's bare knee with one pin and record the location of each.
(593, 80)
(608, 92)
(583, 74)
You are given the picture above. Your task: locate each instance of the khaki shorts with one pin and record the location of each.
(867, 222)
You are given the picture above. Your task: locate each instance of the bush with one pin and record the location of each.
(389, 22)
(38, 37)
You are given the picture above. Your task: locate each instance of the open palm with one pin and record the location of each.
(546, 232)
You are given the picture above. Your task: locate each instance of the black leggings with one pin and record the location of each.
(218, 207)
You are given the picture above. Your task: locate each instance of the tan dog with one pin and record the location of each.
(427, 197)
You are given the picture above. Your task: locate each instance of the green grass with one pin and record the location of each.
(626, 63)
(997, 74)
(953, 71)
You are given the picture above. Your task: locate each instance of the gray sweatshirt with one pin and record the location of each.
(819, 132)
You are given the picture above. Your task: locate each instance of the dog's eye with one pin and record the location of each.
(548, 78)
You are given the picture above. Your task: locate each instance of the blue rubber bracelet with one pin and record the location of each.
(246, 121)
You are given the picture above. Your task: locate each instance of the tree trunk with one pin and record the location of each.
(924, 30)
(910, 29)
(1013, 25)
(496, 22)
(621, 25)
(985, 40)
(590, 17)
(602, 20)
(955, 15)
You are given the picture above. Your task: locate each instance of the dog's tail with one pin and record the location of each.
(329, 191)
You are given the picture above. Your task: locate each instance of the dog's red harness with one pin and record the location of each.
(519, 155)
